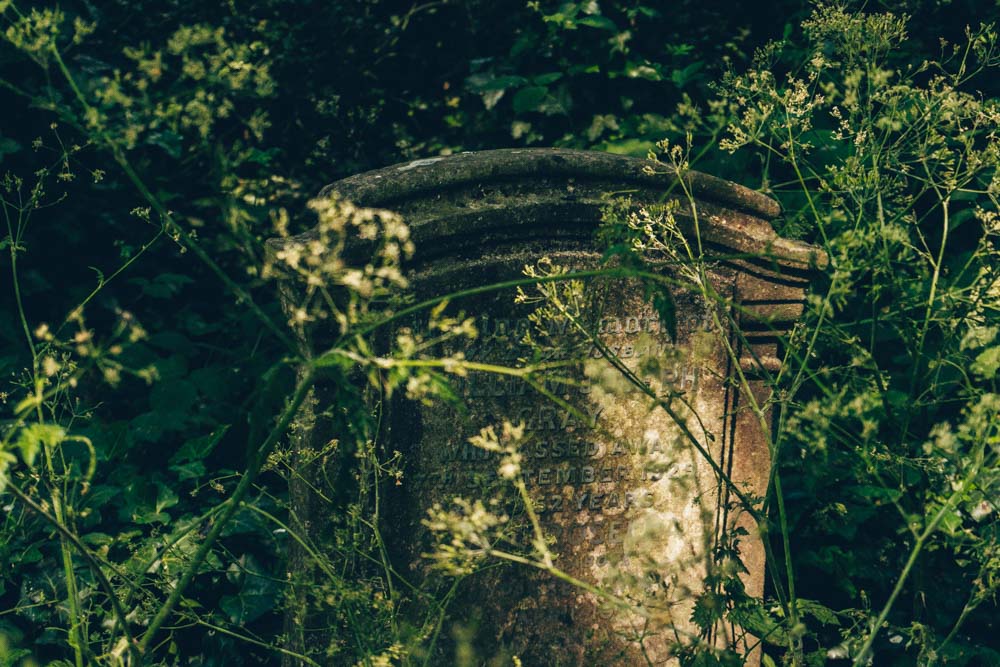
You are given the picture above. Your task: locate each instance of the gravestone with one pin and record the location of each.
(632, 482)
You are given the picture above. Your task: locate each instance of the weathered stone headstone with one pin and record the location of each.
(618, 476)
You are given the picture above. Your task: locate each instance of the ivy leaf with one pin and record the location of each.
(192, 470)
(197, 449)
(530, 98)
(258, 594)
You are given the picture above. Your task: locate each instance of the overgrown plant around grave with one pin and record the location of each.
(885, 450)
(891, 379)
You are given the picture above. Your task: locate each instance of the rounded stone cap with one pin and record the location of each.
(382, 186)
(495, 197)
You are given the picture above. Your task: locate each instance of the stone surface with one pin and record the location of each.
(622, 487)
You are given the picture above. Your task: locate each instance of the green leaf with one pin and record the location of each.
(12, 657)
(192, 470)
(599, 22)
(8, 147)
(636, 70)
(530, 98)
(163, 286)
(334, 358)
(32, 438)
(663, 303)
(147, 427)
(878, 493)
(484, 83)
(172, 341)
(173, 397)
(951, 521)
(97, 539)
(166, 497)
(899, 400)
(6, 458)
(757, 620)
(258, 594)
(633, 147)
(547, 78)
(197, 449)
(708, 608)
(681, 77)
(824, 615)
(987, 363)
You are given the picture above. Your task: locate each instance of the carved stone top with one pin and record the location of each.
(481, 197)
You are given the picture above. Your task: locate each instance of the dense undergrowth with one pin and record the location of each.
(151, 380)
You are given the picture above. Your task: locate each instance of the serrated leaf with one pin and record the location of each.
(823, 614)
(951, 521)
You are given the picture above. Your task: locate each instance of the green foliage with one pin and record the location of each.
(148, 149)
(892, 166)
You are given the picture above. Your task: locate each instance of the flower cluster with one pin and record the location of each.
(335, 286)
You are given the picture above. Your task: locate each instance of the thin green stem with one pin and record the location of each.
(233, 505)
(929, 530)
(257, 642)
(241, 294)
(92, 561)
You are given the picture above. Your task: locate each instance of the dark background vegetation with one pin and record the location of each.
(356, 85)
